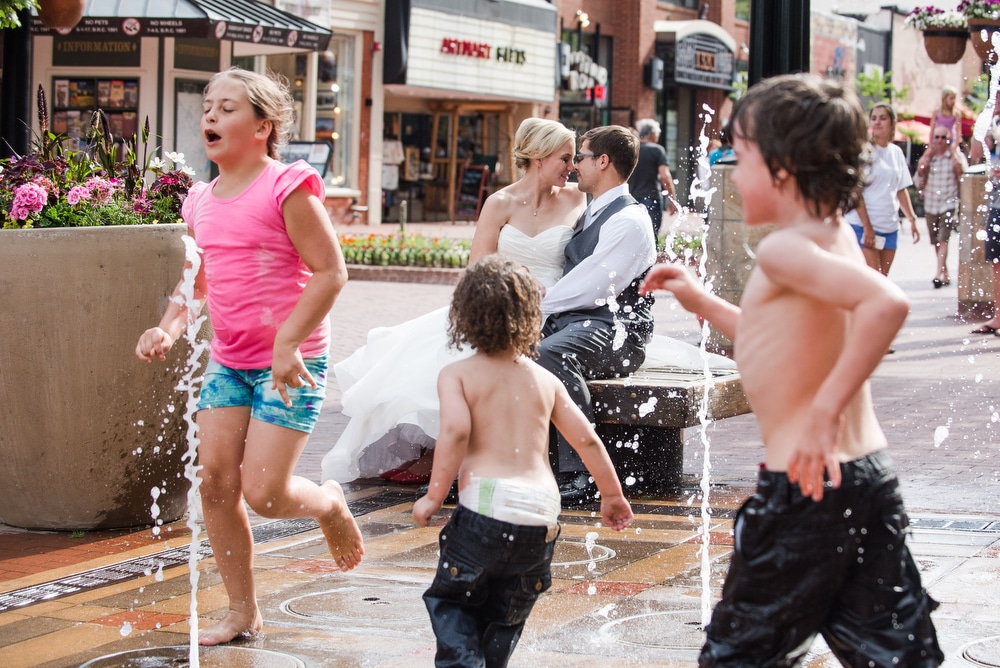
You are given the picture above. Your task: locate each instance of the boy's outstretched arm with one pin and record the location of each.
(693, 296)
(573, 425)
(450, 448)
(877, 309)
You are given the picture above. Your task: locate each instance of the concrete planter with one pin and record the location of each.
(87, 431)
(975, 275)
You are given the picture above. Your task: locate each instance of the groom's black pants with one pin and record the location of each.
(578, 350)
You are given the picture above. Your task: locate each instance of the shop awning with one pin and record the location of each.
(247, 21)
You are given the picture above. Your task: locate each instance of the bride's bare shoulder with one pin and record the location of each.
(571, 191)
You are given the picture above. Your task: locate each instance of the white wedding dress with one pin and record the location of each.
(389, 385)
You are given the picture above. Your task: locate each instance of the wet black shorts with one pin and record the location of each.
(992, 243)
(839, 567)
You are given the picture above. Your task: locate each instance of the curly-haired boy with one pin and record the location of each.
(496, 549)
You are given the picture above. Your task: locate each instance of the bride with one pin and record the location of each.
(389, 386)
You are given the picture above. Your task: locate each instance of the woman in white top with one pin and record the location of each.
(876, 220)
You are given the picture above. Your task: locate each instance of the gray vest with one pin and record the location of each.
(633, 309)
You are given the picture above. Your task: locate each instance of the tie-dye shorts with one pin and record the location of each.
(226, 388)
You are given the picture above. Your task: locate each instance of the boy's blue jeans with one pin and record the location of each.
(489, 576)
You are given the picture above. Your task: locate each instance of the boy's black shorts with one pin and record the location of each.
(839, 567)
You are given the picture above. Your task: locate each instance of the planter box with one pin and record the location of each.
(87, 430)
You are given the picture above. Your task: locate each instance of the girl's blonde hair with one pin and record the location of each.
(271, 101)
(538, 138)
(945, 92)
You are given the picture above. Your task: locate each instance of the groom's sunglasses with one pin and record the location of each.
(580, 156)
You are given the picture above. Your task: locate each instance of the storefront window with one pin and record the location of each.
(336, 105)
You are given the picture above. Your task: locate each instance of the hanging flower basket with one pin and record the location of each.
(981, 31)
(61, 14)
(945, 47)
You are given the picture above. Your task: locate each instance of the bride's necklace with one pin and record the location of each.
(544, 201)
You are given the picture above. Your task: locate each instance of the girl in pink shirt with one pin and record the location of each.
(271, 270)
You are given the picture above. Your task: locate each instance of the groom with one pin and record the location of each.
(598, 325)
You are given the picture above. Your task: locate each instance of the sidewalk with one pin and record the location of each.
(632, 600)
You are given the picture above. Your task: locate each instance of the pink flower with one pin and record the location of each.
(28, 198)
(76, 194)
(101, 189)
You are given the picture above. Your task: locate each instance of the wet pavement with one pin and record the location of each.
(635, 599)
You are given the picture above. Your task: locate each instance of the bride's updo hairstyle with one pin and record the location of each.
(495, 308)
(538, 138)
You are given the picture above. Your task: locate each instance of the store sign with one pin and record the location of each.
(131, 27)
(468, 54)
(703, 60)
(93, 51)
(197, 54)
(460, 47)
(587, 77)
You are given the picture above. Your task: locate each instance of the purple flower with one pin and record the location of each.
(28, 198)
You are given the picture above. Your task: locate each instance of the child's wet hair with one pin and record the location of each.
(813, 128)
(495, 308)
(271, 100)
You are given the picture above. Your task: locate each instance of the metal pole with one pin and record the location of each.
(16, 92)
(779, 38)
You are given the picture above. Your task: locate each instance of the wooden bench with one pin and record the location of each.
(641, 420)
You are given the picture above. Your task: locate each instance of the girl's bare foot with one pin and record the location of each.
(234, 625)
(342, 534)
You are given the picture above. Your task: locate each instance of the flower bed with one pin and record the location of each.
(101, 183)
(405, 250)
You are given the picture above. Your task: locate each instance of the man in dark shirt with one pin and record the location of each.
(652, 174)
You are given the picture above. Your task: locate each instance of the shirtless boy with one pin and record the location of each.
(495, 412)
(814, 553)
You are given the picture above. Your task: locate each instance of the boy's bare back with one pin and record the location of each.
(508, 404)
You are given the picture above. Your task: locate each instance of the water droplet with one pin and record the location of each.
(940, 434)
(140, 423)
(629, 481)
(126, 629)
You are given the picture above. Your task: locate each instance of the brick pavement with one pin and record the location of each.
(937, 396)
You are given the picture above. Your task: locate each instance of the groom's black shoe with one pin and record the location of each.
(576, 488)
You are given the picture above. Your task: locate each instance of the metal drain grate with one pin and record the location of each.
(145, 566)
(951, 524)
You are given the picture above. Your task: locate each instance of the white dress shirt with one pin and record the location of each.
(625, 249)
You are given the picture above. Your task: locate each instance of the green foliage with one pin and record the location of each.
(100, 183)
(9, 10)
(978, 93)
(405, 250)
(877, 87)
(743, 9)
(740, 84)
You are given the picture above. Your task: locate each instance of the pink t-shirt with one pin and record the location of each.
(254, 274)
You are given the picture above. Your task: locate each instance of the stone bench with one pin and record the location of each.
(645, 437)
